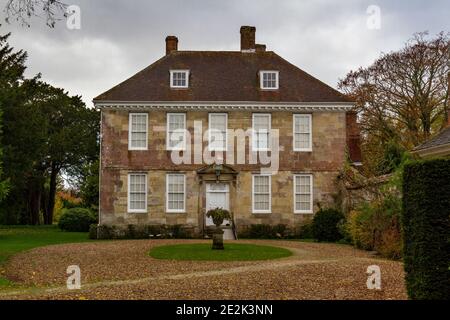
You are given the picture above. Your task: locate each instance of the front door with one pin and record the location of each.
(217, 196)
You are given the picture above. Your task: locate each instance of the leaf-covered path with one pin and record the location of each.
(123, 270)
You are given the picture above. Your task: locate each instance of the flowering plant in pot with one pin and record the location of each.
(218, 215)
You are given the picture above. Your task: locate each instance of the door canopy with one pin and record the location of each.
(217, 172)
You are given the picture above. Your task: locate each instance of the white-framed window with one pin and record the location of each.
(261, 127)
(179, 78)
(137, 131)
(302, 132)
(303, 193)
(217, 131)
(261, 193)
(176, 131)
(269, 79)
(137, 192)
(175, 192)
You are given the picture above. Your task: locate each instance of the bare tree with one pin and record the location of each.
(23, 10)
(403, 96)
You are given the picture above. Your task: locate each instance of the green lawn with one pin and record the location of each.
(232, 252)
(14, 239)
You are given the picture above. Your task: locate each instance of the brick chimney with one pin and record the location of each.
(248, 39)
(171, 44)
(353, 138)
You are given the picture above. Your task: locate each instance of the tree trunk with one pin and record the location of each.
(34, 199)
(51, 195)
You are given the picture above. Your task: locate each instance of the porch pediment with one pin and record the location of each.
(217, 169)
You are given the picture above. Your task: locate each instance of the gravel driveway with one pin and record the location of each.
(123, 270)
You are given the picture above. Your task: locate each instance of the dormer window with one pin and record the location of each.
(179, 78)
(269, 79)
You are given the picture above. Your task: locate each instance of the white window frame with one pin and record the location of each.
(253, 195)
(209, 131)
(261, 79)
(167, 193)
(130, 133)
(168, 147)
(129, 193)
(309, 116)
(186, 72)
(311, 199)
(254, 135)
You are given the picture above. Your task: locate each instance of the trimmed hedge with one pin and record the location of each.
(279, 231)
(76, 220)
(132, 231)
(326, 225)
(93, 231)
(264, 231)
(426, 229)
(305, 231)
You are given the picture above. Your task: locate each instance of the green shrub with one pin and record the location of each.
(178, 231)
(132, 231)
(105, 232)
(426, 229)
(218, 215)
(306, 231)
(76, 220)
(264, 231)
(325, 226)
(375, 226)
(93, 231)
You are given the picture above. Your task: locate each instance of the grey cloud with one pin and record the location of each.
(118, 38)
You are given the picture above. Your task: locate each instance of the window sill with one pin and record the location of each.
(137, 149)
(137, 211)
(261, 212)
(175, 149)
(175, 211)
(302, 150)
(217, 150)
(303, 212)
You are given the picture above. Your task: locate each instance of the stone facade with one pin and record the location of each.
(324, 163)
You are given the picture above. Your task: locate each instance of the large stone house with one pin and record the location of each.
(242, 130)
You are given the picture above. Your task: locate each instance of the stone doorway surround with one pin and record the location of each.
(215, 173)
(217, 196)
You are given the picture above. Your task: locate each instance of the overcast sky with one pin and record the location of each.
(118, 37)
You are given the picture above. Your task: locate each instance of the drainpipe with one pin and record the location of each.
(100, 170)
(199, 211)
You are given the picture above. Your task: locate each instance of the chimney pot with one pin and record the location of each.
(171, 44)
(260, 47)
(248, 38)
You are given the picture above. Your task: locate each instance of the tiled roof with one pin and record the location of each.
(222, 76)
(440, 139)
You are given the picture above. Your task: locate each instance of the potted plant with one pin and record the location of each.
(218, 215)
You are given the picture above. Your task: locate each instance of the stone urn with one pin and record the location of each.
(218, 215)
(217, 239)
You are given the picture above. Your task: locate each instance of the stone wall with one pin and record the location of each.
(324, 162)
